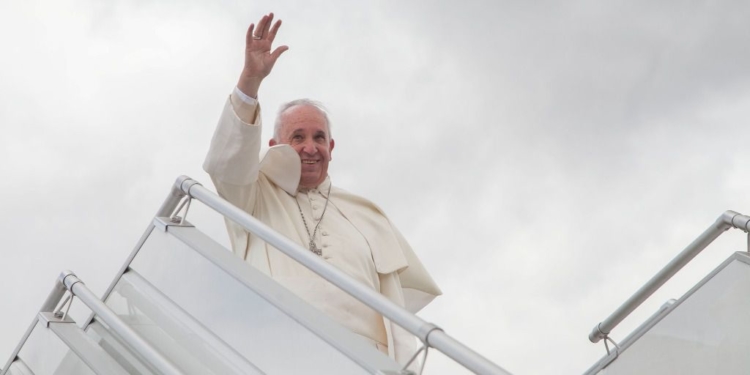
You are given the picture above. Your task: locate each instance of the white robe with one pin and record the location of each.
(268, 188)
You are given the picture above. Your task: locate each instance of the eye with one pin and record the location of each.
(296, 137)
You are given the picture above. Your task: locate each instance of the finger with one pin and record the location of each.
(267, 25)
(261, 26)
(278, 51)
(249, 36)
(274, 30)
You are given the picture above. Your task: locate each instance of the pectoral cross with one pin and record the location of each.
(314, 248)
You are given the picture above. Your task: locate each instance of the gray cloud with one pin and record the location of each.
(544, 159)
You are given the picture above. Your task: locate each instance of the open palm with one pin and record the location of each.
(259, 60)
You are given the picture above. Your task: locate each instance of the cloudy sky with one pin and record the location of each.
(544, 159)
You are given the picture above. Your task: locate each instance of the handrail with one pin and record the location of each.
(728, 219)
(428, 333)
(116, 325)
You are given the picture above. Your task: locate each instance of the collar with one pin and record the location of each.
(322, 188)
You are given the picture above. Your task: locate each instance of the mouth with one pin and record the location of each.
(307, 161)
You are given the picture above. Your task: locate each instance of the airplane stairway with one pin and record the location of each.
(183, 304)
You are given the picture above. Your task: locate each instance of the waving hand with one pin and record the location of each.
(259, 60)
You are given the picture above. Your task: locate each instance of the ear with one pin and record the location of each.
(330, 149)
(271, 142)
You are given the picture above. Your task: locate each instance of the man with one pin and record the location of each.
(289, 190)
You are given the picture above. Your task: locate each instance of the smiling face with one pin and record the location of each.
(304, 128)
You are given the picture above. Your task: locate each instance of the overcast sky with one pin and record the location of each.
(544, 159)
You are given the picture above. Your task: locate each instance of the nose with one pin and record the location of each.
(309, 148)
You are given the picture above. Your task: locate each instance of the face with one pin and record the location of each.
(304, 128)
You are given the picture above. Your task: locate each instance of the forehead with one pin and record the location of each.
(302, 118)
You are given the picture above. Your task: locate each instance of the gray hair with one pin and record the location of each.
(297, 102)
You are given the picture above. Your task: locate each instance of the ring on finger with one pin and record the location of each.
(256, 37)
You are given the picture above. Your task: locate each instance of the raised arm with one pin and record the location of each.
(259, 60)
(232, 159)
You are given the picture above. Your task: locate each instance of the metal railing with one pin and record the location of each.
(67, 281)
(430, 334)
(121, 329)
(728, 219)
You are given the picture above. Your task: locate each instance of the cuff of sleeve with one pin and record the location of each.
(244, 106)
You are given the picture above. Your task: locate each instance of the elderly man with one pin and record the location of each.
(289, 190)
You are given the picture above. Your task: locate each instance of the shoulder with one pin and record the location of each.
(355, 201)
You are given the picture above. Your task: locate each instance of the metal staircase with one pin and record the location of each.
(184, 304)
(703, 332)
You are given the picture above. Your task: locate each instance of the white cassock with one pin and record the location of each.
(354, 234)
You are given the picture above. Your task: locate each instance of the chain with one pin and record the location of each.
(312, 246)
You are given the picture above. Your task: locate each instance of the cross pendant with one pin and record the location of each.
(315, 248)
